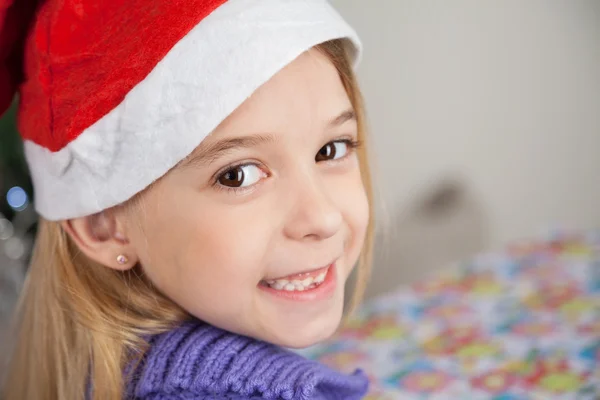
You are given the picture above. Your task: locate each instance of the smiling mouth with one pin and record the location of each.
(298, 282)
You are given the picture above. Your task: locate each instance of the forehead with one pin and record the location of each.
(305, 94)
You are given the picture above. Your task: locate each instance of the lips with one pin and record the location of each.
(315, 291)
(299, 281)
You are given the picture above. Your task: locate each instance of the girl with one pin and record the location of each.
(204, 195)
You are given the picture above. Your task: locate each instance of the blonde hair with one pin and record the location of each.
(80, 324)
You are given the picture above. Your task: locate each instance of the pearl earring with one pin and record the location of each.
(122, 259)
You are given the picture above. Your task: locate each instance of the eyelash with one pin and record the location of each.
(352, 144)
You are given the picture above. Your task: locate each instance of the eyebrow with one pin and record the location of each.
(205, 156)
(348, 115)
(212, 152)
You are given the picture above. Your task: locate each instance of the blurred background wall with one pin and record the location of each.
(486, 122)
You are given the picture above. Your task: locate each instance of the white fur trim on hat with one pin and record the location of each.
(202, 80)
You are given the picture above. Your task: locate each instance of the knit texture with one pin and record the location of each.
(198, 361)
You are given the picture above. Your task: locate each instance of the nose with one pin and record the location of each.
(314, 215)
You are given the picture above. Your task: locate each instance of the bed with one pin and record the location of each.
(523, 323)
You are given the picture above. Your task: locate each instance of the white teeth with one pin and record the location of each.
(296, 284)
(289, 287)
(307, 281)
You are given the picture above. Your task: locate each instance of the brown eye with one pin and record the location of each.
(232, 178)
(332, 151)
(241, 176)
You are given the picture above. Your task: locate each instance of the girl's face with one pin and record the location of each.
(257, 231)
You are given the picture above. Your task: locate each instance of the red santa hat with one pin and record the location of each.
(114, 93)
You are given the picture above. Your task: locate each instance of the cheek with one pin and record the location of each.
(352, 200)
(211, 251)
(359, 220)
(359, 203)
(225, 249)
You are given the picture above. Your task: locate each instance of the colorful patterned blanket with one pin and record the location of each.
(520, 324)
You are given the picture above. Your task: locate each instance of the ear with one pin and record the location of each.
(102, 238)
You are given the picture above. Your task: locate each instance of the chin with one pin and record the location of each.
(308, 333)
(307, 338)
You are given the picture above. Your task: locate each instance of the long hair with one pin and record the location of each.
(79, 324)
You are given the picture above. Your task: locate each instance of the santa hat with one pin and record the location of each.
(114, 93)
